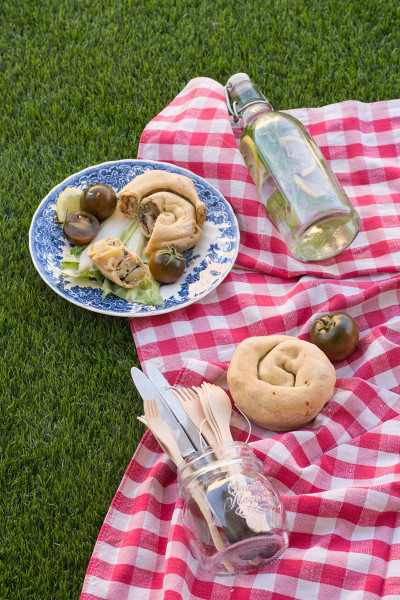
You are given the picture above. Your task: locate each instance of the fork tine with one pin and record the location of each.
(151, 406)
(148, 404)
(154, 409)
(203, 394)
(183, 394)
(179, 393)
(193, 408)
(146, 408)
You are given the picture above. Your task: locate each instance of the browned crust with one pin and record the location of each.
(154, 181)
(280, 382)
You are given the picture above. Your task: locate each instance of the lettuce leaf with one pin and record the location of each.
(76, 263)
(147, 294)
(71, 262)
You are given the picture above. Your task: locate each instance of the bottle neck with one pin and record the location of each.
(244, 99)
(251, 112)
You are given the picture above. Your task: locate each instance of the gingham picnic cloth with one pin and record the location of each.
(339, 477)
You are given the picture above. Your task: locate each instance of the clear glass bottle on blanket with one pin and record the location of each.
(303, 197)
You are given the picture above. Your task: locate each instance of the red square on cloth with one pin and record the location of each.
(339, 477)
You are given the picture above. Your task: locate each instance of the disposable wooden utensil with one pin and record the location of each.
(221, 409)
(211, 413)
(203, 397)
(162, 432)
(143, 420)
(191, 404)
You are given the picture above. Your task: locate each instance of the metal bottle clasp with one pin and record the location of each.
(232, 107)
(232, 110)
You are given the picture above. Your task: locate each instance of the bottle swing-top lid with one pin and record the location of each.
(241, 92)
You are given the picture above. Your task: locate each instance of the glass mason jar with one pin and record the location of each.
(233, 516)
(301, 193)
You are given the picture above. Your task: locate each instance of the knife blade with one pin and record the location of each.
(165, 390)
(148, 390)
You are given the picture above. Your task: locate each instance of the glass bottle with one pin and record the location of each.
(303, 197)
(233, 516)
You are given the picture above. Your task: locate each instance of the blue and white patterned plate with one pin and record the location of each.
(207, 263)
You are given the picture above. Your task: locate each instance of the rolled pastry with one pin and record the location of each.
(279, 381)
(169, 221)
(117, 263)
(151, 182)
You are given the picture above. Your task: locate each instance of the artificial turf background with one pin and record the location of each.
(79, 80)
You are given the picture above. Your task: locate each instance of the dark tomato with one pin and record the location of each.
(80, 227)
(99, 200)
(167, 265)
(336, 335)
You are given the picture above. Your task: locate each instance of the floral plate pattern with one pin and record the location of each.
(207, 263)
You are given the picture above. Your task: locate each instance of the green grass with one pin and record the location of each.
(79, 80)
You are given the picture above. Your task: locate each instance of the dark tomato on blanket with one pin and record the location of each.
(80, 227)
(336, 335)
(166, 265)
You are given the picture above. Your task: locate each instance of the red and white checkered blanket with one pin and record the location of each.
(339, 477)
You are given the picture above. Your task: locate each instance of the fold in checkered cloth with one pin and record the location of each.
(339, 477)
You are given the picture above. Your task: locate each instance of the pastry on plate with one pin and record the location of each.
(168, 221)
(118, 263)
(148, 183)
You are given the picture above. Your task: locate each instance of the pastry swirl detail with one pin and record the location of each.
(168, 208)
(279, 381)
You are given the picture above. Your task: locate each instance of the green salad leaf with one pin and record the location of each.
(77, 264)
(147, 294)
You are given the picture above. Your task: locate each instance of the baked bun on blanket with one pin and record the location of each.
(279, 381)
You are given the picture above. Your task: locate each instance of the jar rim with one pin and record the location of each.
(211, 457)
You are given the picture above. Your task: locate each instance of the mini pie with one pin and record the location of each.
(279, 381)
(168, 208)
(169, 221)
(160, 181)
(118, 263)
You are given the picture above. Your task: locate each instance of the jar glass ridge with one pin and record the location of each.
(233, 515)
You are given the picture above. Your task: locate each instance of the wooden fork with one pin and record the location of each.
(191, 404)
(203, 397)
(161, 431)
(221, 408)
